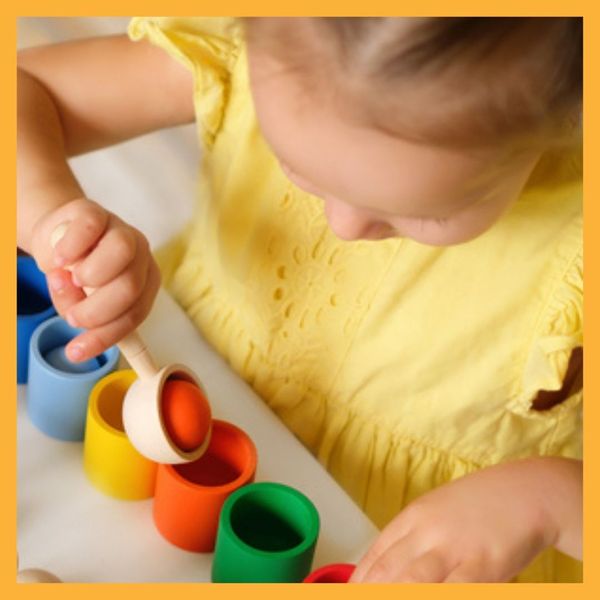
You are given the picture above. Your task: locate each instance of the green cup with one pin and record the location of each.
(267, 534)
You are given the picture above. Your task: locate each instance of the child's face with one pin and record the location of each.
(374, 185)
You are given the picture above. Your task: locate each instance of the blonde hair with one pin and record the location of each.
(466, 81)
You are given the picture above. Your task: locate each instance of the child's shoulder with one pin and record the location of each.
(209, 47)
(200, 43)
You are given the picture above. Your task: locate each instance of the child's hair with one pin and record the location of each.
(463, 82)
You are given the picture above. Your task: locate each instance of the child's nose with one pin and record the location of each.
(347, 222)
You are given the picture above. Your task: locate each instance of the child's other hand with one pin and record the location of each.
(485, 527)
(105, 254)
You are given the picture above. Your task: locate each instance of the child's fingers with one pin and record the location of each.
(407, 561)
(95, 341)
(110, 301)
(372, 563)
(114, 252)
(63, 292)
(398, 528)
(429, 567)
(468, 572)
(82, 233)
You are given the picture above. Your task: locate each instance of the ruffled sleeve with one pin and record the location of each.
(559, 332)
(208, 47)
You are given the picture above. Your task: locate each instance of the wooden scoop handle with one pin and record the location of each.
(132, 346)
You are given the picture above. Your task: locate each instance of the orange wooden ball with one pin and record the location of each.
(186, 414)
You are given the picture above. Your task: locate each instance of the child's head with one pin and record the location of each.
(424, 128)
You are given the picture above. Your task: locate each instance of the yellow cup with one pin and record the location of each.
(110, 461)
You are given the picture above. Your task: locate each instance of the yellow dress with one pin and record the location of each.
(400, 366)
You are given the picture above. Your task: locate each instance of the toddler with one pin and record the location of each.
(388, 248)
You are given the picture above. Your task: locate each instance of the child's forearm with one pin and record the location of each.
(44, 178)
(563, 501)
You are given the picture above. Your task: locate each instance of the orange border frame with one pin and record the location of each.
(10, 11)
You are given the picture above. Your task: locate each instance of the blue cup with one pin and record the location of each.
(33, 307)
(57, 399)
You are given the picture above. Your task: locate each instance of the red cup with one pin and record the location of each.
(336, 573)
(188, 497)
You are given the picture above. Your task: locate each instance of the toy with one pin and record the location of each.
(336, 573)
(186, 420)
(267, 533)
(57, 400)
(142, 408)
(110, 461)
(33, 307)
(36, 576)
(188, 498)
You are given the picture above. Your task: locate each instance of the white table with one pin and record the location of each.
(68, 527)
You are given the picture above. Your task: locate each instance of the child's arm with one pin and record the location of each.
(72, 98)
(484, 527)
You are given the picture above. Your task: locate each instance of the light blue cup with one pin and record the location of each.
(57, 400)
(33, 307)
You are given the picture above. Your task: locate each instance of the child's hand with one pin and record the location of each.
(485, 527)
(105, 254)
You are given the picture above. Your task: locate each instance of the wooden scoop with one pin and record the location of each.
(142, 406)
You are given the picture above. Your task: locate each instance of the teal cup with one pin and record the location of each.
(267, 534)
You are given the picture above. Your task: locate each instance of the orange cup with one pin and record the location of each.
(188, 497)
